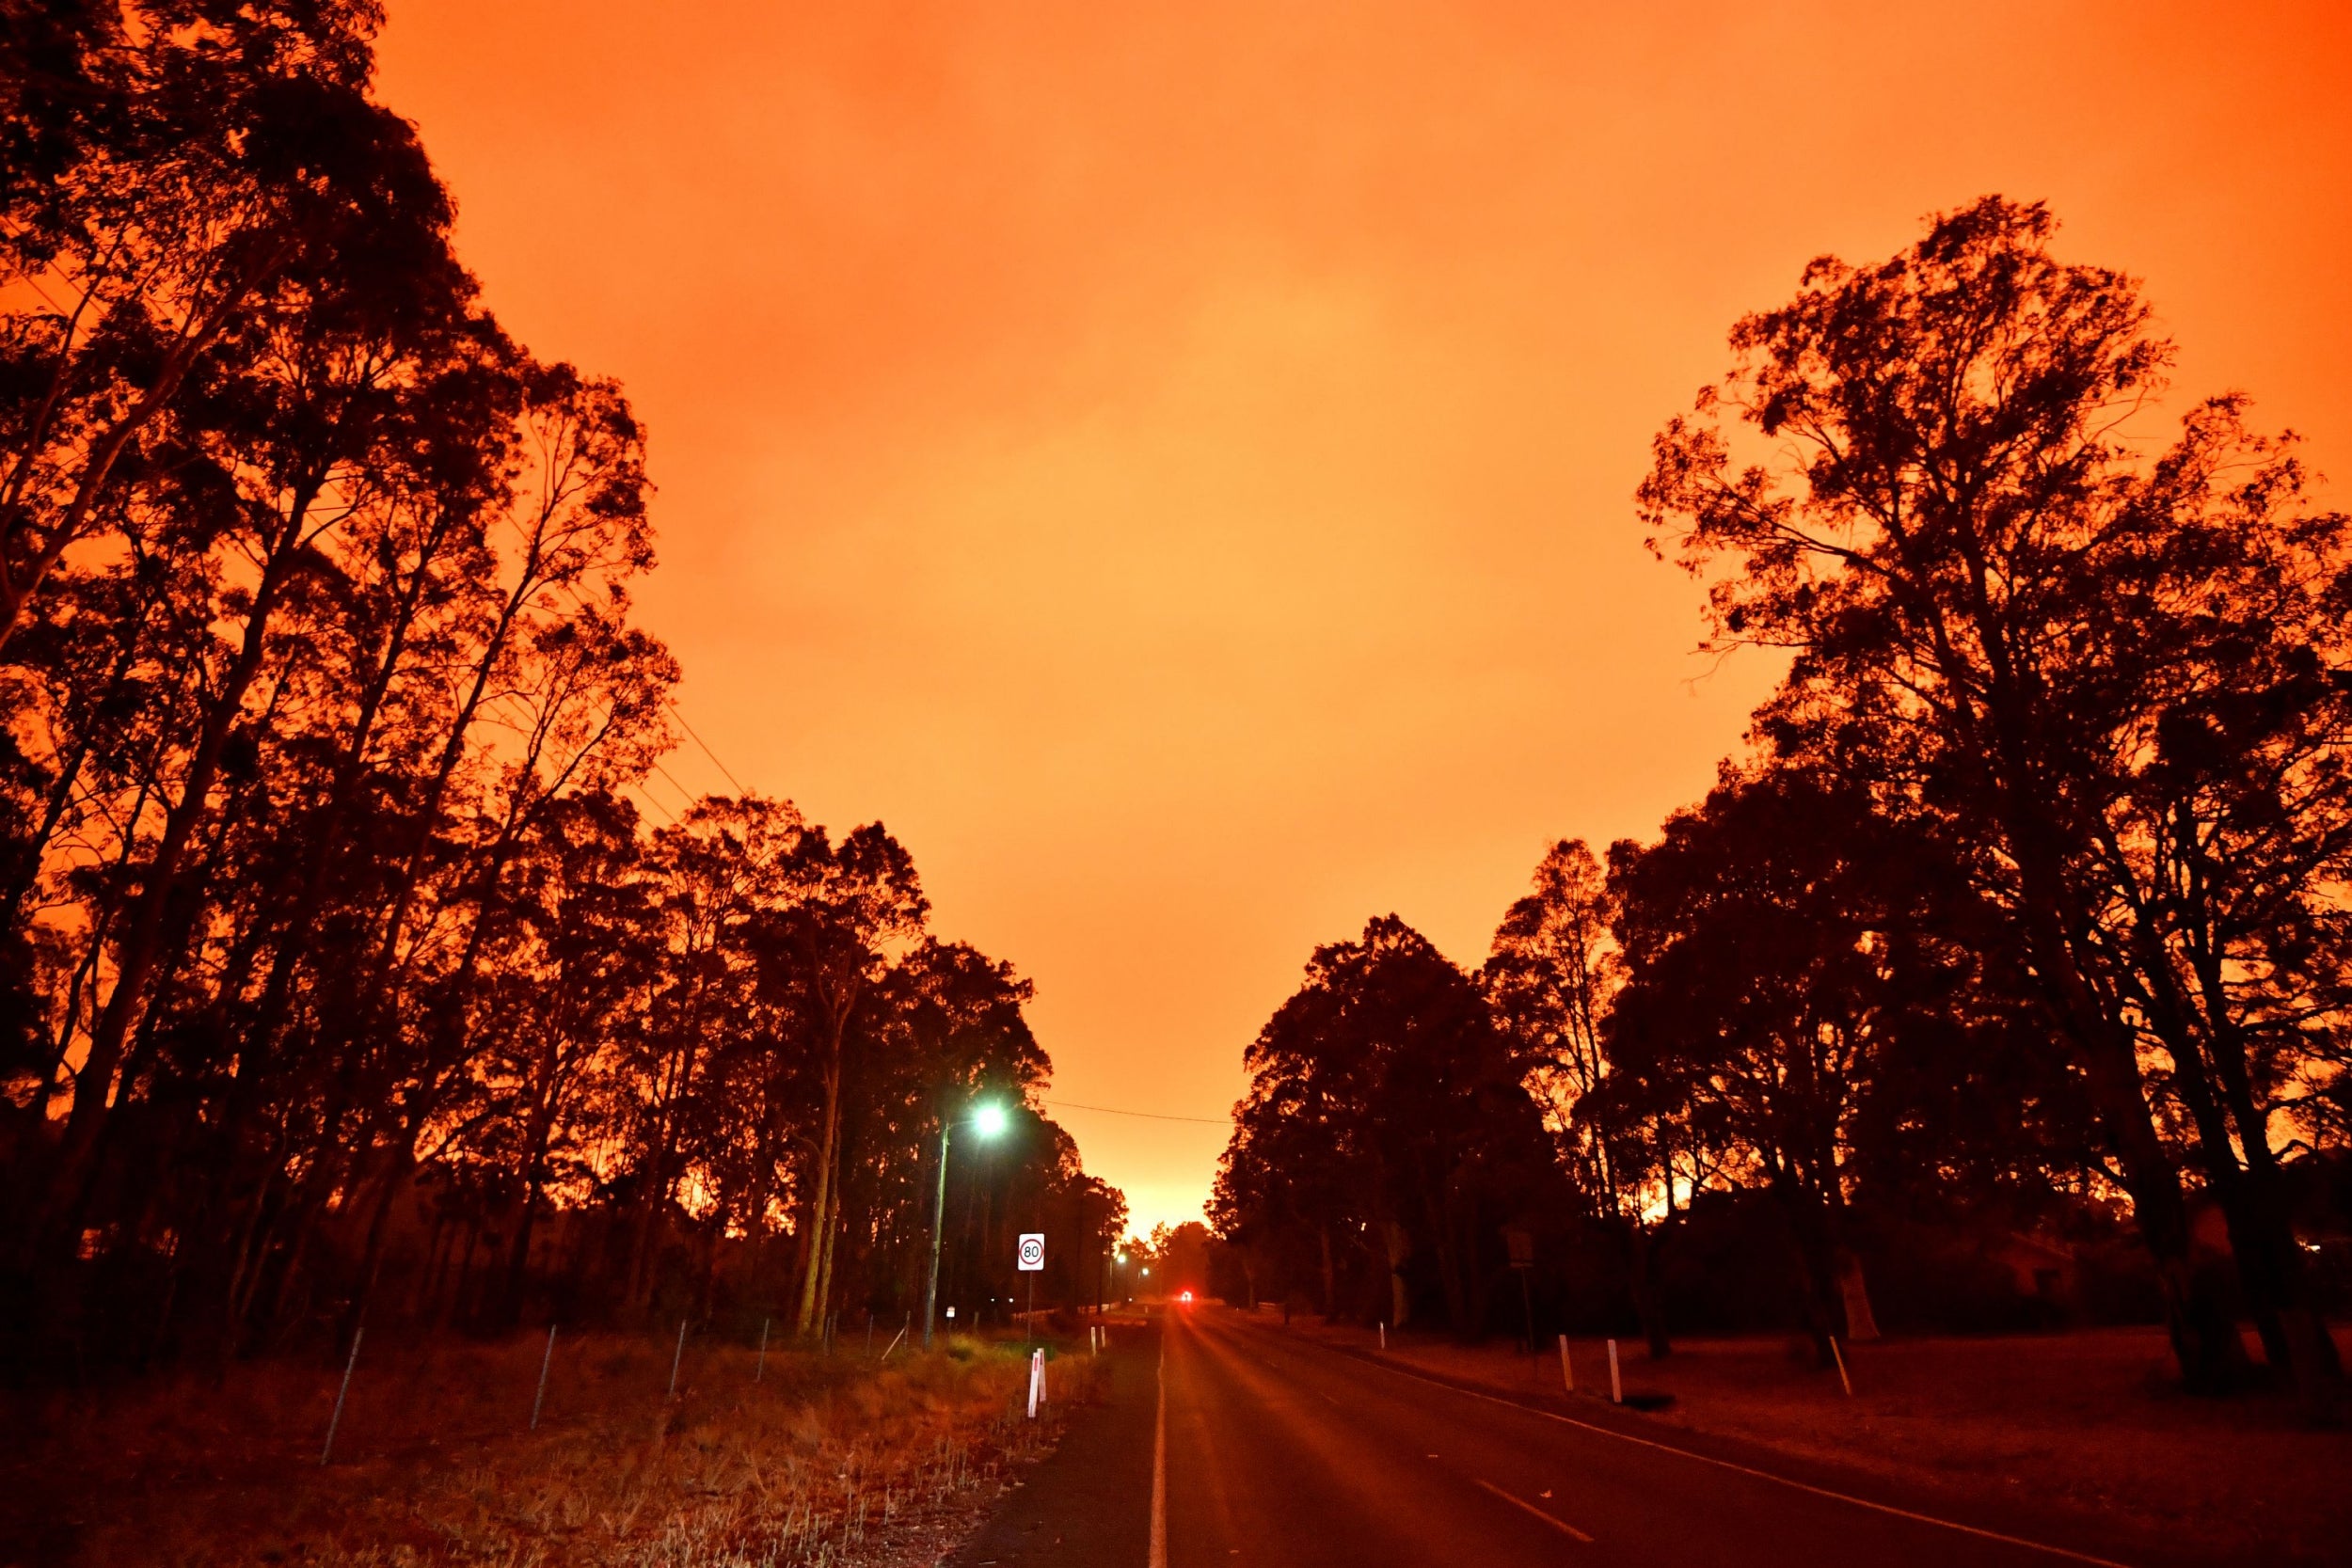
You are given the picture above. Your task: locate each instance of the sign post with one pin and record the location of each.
(1522, 1245)
(1031, 1262)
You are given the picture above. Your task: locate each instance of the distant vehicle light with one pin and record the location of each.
(1186, 1297)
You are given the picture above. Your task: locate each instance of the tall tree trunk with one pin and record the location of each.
(822, 1206)
(2261, 1230)
(142, 941)
(333, 818)
(2205, 1338)
(535, 1138)
(1649, 1305)
(825, 1244)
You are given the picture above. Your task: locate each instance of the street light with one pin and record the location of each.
(988, 1119)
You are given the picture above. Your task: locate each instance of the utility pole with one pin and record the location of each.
(939, 1215)
(988, 1119)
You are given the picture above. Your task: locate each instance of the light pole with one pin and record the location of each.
(988, 1119)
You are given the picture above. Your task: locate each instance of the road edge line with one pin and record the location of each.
(1156, 1554)
(1522, 1504)
(1981, 1532)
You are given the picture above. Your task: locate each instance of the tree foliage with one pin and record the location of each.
(2029, 899)
(1387, 1134)
(341, 976)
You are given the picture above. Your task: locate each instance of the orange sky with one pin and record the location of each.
(1173, 463)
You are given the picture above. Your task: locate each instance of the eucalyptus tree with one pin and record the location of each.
(189, 171)
(2113, 676)
(1636, 1149)
(853, 902)
(281, 452)
(712, 1033)
(1387, 1117)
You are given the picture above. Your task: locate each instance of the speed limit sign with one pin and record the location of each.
(1032, 1251)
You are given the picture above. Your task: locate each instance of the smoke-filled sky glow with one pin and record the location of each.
(1173, 465)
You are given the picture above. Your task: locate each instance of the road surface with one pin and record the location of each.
(1264, 1449)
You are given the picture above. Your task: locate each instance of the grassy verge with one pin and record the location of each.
(2091, 1424)
(804, 1459)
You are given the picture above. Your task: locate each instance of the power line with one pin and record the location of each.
(668, 820)
(680, 714)
(669, 702)
(1152, 1115)
(684, 793)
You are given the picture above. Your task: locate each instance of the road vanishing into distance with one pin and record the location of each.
(1224, 1441)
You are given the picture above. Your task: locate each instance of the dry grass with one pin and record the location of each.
(823, 1460)
(2091, 1424)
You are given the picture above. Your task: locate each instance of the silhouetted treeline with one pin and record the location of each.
(337, 975)
(2021, 929)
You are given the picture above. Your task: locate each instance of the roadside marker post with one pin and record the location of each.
(1616, 1389)
(1384, 1337)
(675, 1357)
(759, 1368)
(544, 1362)
(337, 1418)
(1568, 1376)
(1839, 1356)
(1037, 1380)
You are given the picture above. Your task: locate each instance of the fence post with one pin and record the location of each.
(1616, 1389)
(544, 1362)
(1568, 1376)
(337, 1418)
(675, 1357)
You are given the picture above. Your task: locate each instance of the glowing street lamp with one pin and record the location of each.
(989, 1119)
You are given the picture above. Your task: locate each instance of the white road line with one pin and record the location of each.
(1157, 1556)
(1559, 1525)
(1760, 1475)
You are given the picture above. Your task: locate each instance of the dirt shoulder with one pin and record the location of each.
(2085, 1426)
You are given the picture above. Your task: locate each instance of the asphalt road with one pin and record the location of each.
(1256, 1448)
